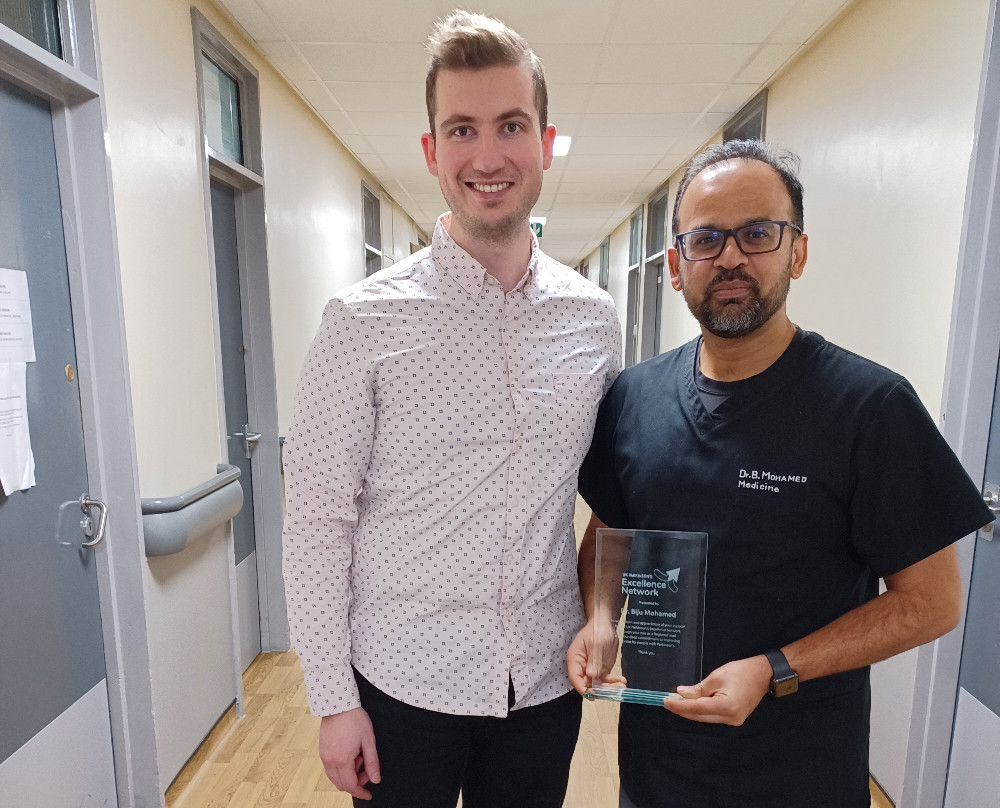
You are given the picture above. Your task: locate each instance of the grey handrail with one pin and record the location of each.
(169, 524)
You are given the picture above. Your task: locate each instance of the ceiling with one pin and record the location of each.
(640, 85)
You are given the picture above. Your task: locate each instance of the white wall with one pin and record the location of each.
(881, 110)
(314, 233)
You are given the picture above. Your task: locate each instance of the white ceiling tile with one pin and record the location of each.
(346, 21)
(391, 123)
(766, 63)
(674, 64)
(567, 64)
(698, 21)
(625, 98)
(353, 61)
(358, 144)
(379, 96)
(287, 61)
(638, 125)
(315, 93)
(395, 144)
(339, 122)
(557, 21)
(406, 162)
(734, 97)
(809, 17)
(569, 98)
(254, 21)
(622, 161)
(621, 144)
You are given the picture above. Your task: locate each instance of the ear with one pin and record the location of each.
(673, 262)
(548, 141)
(800, 251)
(429, 146)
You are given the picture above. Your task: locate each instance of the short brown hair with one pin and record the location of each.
(467, 41)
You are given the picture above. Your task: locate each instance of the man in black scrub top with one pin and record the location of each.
(815, 472)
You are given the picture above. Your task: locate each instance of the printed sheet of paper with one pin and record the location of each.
(17, 464)
(17, 340)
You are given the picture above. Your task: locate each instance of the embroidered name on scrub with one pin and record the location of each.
(760, 480)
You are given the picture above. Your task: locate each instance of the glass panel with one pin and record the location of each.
(605, 264)
(38, 20)
(657, 226)
(372, 219)
(222, 111)
(634, 236)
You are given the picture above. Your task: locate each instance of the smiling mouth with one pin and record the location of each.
(491, 188)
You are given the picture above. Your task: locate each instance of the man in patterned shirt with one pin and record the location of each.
(441, 418)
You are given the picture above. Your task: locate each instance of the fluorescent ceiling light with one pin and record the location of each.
(561, 147)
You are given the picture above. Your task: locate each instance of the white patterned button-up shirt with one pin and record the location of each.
(430, 475)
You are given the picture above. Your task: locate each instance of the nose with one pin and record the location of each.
(489, 157)
(732, 255)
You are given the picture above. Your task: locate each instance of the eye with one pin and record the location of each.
(704, 238)
(461, 131)
(512, 128)
(756, 233)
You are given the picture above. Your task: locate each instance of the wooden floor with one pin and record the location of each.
(269, 757)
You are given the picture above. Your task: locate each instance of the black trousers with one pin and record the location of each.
(427, 758)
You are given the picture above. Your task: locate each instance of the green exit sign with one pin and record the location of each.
(536, 228)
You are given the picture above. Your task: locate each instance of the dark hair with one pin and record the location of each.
(467, 41)
(781, 160)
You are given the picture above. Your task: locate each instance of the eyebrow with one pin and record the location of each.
(749, 220)
(460, 118)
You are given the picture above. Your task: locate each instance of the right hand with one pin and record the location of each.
(347, 749)
(591, 656)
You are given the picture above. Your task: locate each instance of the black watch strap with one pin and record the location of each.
(784, 681)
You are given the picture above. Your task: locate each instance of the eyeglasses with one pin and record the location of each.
(752, 239)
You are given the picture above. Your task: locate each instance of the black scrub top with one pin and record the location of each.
(812, 480)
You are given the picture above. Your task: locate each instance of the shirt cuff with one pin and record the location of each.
(331, 690)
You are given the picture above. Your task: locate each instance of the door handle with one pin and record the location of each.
(991, 496)
(95, 534)
(250, 440)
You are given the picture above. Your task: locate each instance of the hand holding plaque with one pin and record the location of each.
(649, 614)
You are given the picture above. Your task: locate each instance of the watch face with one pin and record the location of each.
(785, 686)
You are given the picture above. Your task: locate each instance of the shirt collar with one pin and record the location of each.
(468, 272)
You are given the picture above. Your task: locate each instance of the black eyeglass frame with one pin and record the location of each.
(679, 238)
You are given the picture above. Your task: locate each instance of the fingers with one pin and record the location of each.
(369, 756)
(577, 664)
(346, 779)
(347, 749)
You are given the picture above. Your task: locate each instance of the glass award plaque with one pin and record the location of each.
(649, 607)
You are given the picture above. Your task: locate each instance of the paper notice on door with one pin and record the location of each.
(17, 341)
(17, 464)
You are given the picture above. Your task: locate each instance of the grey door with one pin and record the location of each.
(241, 437)
(652, 309)
(632, 319)
(52, 670)
(974, 777)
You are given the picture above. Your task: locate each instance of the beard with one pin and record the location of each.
(733, 319)
(499, 232)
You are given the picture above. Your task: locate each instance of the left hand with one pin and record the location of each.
(727, 695)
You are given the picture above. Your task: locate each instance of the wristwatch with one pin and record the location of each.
(784, 681)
